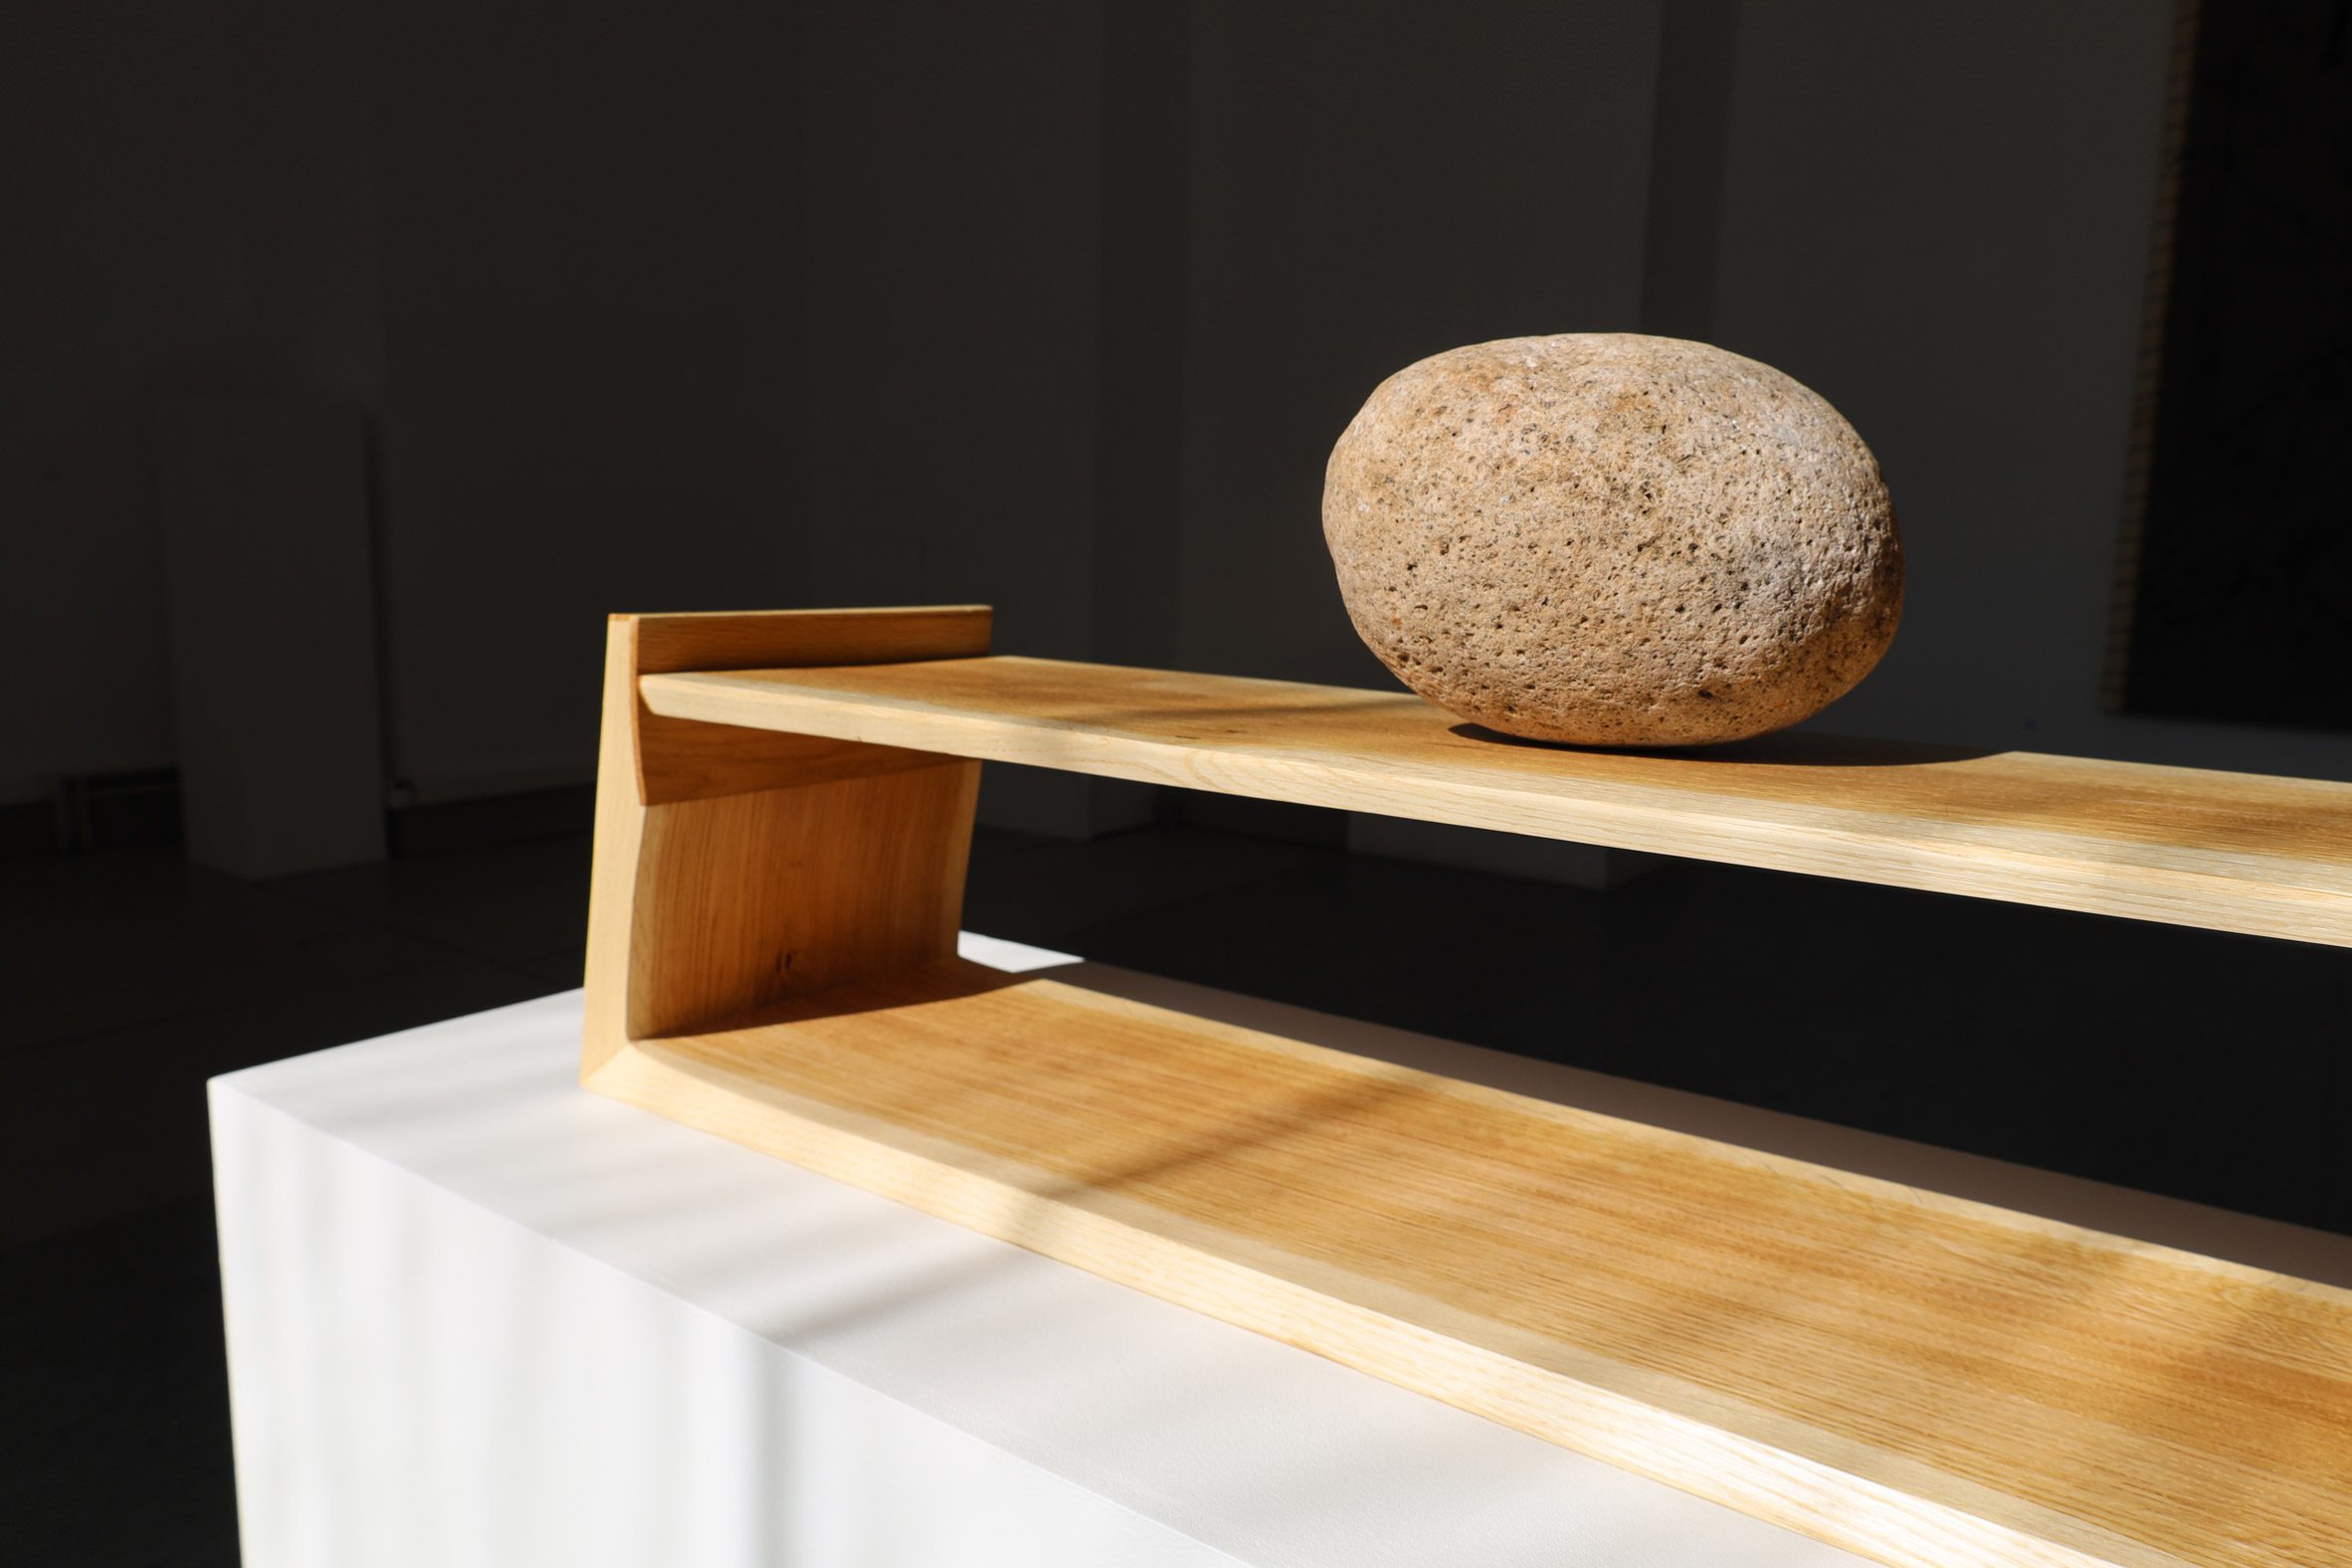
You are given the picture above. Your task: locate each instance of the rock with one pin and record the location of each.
(1612, 540)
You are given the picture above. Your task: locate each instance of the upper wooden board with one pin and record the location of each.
(2233, 852)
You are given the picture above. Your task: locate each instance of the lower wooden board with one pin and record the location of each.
(1925, 1380)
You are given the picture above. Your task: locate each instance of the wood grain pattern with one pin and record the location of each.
(781, 639)
(754, 897)
(2271, 856)
(1932, 1382)
(784, 811)
(732, 867)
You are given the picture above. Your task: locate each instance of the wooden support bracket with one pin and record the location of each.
(734, 867)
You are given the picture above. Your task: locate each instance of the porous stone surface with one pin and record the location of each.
(1612, 540)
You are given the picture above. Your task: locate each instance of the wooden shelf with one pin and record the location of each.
(1923, 1379)
(2231, 852)
(1932, 1382)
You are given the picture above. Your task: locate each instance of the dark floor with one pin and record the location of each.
(2206, 1067)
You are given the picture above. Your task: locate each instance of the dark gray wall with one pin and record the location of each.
(123, 272)
(1372, 183)
(1939, 218)
(1057, 306)
(189, 210)
(953, 219)
(592, 316)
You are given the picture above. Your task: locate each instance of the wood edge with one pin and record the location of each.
(615, 844)
(717, 640)
(811, 612)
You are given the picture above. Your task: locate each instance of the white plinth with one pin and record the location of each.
(477, 1316)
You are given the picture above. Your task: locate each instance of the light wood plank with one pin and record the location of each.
(2246, 852)
(1932, 1382)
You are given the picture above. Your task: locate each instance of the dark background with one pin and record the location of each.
(1056, 306)
(2243, 558)
(360, 358)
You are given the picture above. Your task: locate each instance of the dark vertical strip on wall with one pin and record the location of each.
(1146, 70)
(789, 140)
(2242, 610)
(1687, 156)
(2155, 309)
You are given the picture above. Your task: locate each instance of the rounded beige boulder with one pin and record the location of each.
(1612, 540)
